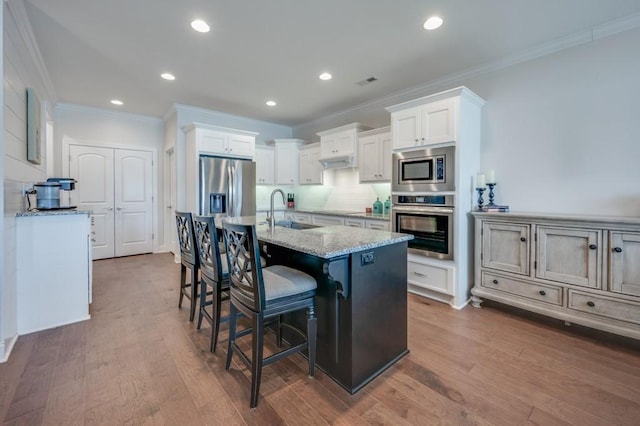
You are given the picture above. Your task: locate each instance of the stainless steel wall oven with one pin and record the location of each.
(429, 218)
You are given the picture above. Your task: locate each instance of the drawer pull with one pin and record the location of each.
(593, 246)
(542, 293)
(420, 274)
(523, 239)
(495, 281)
(618, 250)
(591, 304)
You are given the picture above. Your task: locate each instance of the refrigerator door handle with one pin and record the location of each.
(230, 201)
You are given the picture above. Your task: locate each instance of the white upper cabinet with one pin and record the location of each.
(429, 124)
(287, 161)
(309, 164)
(338, 147)
(214, 140)
(265, 165)
(375, 155)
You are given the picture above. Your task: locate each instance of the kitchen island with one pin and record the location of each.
(361, 299)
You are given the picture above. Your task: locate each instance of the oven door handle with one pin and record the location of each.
(419, 209)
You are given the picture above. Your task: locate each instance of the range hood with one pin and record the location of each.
(339, 162)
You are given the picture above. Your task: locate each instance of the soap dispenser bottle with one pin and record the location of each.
(377, 206)
(387, 206)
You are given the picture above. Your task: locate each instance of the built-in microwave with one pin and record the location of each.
(425, 170)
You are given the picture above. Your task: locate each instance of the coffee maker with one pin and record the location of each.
(67, 192)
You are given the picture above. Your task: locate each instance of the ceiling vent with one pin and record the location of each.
(366, 81)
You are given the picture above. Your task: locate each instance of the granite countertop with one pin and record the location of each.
(53, 212)
(326, 241)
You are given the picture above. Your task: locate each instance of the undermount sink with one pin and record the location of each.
(295, 225)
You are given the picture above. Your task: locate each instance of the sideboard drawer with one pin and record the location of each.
(618, 309)
(542, 293)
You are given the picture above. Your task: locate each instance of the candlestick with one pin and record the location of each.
(480, 200)
(491, 195)
(491, 177)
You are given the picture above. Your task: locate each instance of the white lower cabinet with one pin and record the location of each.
(380, 225)
(353, 222)
(425, 274)
(53, 270)
(324, 220)
(583, 270)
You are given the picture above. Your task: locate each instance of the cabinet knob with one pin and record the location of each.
(593, 246)
(617, 250)
(523, 239)
(591, 304)
(495, 281)
(542, 293)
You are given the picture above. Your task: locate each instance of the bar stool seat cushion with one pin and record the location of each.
(281, 281)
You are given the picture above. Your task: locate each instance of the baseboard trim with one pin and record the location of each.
(5, 349)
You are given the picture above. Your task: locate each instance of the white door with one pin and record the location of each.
(133, 202)
(92, 167)
(116, 185)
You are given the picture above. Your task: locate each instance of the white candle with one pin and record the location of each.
(480, 180)
(491, 177)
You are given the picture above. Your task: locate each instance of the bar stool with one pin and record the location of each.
(263, 293)
(214, 275)
(189, 260)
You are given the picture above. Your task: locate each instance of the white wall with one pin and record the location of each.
(560, 131)
(115, 129)
(21, 69)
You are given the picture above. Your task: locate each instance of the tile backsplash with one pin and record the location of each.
(341, 191)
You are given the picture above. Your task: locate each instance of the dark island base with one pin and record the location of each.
(361, 308)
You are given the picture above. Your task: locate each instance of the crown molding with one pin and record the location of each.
(17, 10)
(187, 108)
(117, 114)
(581, 37)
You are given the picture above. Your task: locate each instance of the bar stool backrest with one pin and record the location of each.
(245, 270)
(186, 238)
(209, 254)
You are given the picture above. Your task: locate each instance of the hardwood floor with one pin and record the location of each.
(140, 361)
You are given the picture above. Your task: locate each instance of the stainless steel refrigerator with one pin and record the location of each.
(227, 186)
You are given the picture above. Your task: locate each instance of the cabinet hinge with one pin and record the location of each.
(535, 264)
(153, 236)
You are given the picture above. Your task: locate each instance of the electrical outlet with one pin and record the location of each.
(366, 258)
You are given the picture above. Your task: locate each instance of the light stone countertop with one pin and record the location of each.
(326, 241)
(52, 212)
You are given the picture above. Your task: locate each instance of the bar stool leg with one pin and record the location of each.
(312, 331)
(183, 282)
(233, 316)
(256, 362)
(203, 302)
(215, 326)
(194, 294)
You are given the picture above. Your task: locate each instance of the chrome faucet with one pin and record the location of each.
(270, 219)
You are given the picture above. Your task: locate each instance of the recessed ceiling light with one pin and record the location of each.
(200, 26)
(271, 103)
(325, 76)
(432, 23)
(117, 102)
(168, 76)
